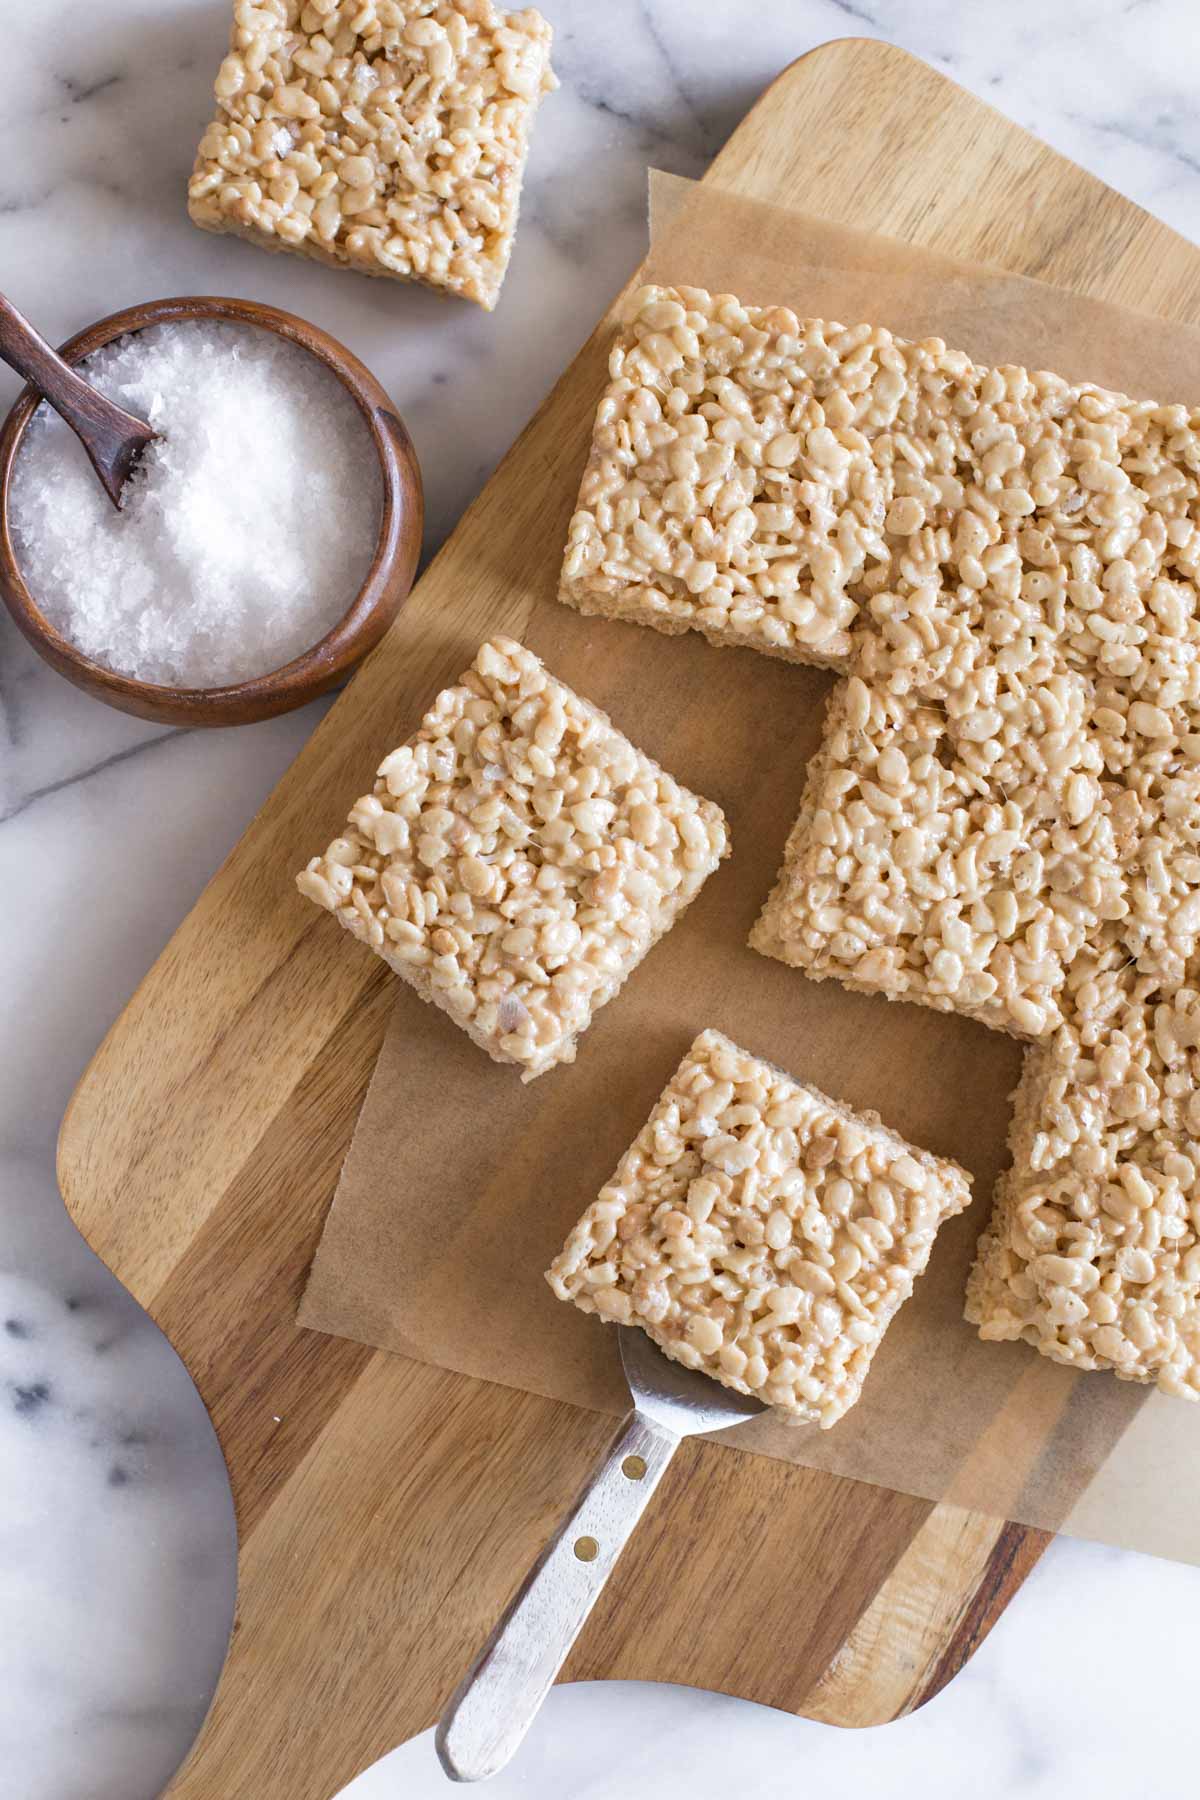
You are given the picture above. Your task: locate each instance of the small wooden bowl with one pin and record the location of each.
(388, 579)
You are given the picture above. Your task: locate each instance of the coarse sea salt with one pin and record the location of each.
(246, 530)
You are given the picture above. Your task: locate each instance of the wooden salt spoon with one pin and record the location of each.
(324, 664)
(113, 438)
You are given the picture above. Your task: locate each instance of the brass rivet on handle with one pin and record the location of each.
(634, 1467)
(587, 1549)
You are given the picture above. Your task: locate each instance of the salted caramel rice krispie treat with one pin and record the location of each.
(931, 862)
(1004, 563)
(1003, 819)
(387, 136)
(1092, 1254)
(760, 1232)
(517, 858)
(717, 496)
(761, 477)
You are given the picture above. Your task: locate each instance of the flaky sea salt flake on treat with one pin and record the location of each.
(517, 858)
(760, 1232)
(387, 136)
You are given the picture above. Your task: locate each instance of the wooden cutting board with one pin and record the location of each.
(389, 1513)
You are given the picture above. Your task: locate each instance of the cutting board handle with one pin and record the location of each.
(502, 1692)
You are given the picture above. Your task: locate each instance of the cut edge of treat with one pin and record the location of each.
(621, 604)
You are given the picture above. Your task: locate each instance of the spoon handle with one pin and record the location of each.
(113, 438)
(499, 1697)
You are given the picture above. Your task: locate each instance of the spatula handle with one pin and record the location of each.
(499, 1696)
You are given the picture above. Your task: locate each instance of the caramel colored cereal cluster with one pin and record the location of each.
(759, 1232)
(517, 858)
(387, 136)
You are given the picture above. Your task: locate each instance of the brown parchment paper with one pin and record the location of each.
(461, 1184)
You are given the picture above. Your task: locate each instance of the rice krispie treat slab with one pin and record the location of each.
(761, 477)
(1092, 1253)
(517, 858)
(387, 136)
(1007, 797)
(760, 1232)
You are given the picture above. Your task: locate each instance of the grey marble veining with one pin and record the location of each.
(114, 1521)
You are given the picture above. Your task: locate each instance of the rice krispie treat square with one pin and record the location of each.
(929, 863)
(517, 859)
(387, 136)
(1003, 819)
(717, 496)
(1092, 1253)
(762, 478)
(760, 1232)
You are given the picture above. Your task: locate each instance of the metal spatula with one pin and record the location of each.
(499, 1696)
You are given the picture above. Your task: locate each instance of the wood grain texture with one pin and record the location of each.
(202, 1146)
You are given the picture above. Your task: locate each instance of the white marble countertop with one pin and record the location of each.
(114, 1527)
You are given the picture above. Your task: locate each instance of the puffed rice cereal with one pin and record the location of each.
(387, 136)
(1092, 1254)
(760, 1232)
(1015, 761)
(720, 494)
(928, 865)
(517, 859)
(1004, 817)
